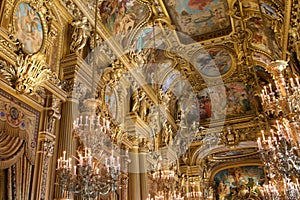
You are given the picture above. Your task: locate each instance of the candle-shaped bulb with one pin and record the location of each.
(107, 124)
(263, 135)
(98, 120)
(70, 162)
(272, 132)
(92, 120)
(259, 143)
(292, 82)
(297, 81)
(64, 155)
(80, 159)
(86, 120)
(80, 122)
(106, 162)
(265, 87)
(90, 160)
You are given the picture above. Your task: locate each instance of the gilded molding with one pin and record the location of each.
(8, 8)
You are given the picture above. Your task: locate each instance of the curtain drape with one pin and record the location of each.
(19, 168)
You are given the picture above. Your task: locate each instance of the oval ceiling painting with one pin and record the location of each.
(28, 28)
(217, 61)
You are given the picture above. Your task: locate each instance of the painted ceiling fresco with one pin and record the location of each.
(197, 18)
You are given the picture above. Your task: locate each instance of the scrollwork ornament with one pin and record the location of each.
(95, 40)
(28, 74)
(75, 89)
(230, 137)
(38, 5)
(47, 147)
(53, 115)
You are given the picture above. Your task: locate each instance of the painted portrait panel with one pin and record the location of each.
(230, 181)
(215, 63)
(199, 17)
(239, 101)
(111, 101)
(28, 28)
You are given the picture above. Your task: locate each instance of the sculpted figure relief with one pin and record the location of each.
(143, 106)
(80, 34)
(135, 99)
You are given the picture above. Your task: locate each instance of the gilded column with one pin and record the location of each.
(124, 173)
(42, 173)
(143, 170)
(65, 139)
(134, 184)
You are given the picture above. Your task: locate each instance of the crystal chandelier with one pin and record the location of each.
(92, 129)
(86, 178)
(166, 183)
(279, 150)
(281, 165)
(285, 99)
(192, 190)
(163, 195)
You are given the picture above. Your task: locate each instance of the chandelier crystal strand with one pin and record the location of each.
(279, 148)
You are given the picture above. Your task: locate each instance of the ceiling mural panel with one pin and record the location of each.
(263, 36)
(239, 101)
(122, 16)
(200, 19)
